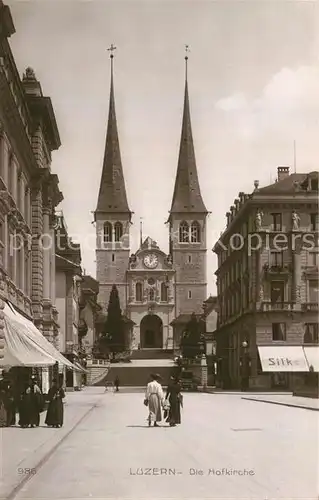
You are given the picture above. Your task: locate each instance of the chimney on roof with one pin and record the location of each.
(228, 215)
(283, 172)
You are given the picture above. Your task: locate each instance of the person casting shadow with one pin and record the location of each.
(175, 398)
(54, 416)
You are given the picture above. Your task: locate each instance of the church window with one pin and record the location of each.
(195, 232)
(113, 257)
(138, 292)
(189, 294)
(108, 232)
(118, 231)
(151, 294)
(189, 259)
(184, 232)
(164, 292)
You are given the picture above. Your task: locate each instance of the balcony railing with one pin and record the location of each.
(277, 306)
(95, 361)
(310, 306)
(276, 269)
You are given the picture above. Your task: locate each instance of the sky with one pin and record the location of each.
(253, 78)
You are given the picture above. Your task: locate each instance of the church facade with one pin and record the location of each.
(158, 292)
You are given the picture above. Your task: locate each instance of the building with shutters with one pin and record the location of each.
(267, 281)
(158, 292)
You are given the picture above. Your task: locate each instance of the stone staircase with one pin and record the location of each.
(135, 376)
(96, 373)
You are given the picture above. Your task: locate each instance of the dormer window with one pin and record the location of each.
(184, 232)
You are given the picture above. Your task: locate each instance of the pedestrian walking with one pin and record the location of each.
(117, 383)
(154, 398)
(175, 399)
(54, 416)
(109, 386)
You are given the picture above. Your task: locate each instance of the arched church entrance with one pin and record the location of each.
(151, 332)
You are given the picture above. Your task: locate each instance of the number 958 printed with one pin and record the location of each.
(23, 471)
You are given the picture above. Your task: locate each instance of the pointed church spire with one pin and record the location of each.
(187, 196)
(112, 194)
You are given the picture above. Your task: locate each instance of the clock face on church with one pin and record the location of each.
(150, 260)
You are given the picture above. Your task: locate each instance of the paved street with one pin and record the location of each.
(111, 444)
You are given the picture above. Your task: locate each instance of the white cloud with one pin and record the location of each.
(235, 102)
(288, 104)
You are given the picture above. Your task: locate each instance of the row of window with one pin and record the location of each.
(277, 222)
(139, 295)
(234, 304)
(276, 260)
(279, 333)
(187, 233)
(276, 225)
(16, 261)
(240, 300)
(112, 233)
(151, 293)
(277, 291)
(15, 181)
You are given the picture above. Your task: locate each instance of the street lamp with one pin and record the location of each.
(245, 367)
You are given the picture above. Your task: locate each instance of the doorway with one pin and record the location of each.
(151, 332)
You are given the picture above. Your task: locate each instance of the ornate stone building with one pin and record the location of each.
(267, 278)
(157, 291)
(29, 191)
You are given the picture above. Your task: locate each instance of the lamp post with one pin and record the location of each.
(244, 367)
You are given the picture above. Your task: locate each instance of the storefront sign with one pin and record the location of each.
(283, 359)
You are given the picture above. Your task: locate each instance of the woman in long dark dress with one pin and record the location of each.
(3, 405)
(174, 396)
(23, 408)
(54, 417)
(11, 406)
(30, 405)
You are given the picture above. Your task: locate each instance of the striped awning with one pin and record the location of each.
(25, 345)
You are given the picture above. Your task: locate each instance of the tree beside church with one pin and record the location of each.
(191, 339)
(113, 338)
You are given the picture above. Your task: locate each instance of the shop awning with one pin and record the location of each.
(25, 345)
(80, 367)
(283, 359)
(312, 356)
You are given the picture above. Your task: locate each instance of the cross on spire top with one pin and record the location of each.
(111, 49)
(186, 59)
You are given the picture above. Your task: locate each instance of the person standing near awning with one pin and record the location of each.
(31, 405)
(3, 405)
(54, 417)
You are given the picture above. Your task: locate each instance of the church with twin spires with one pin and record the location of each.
(158, 292)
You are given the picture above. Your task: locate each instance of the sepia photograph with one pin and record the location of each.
(159, 249)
